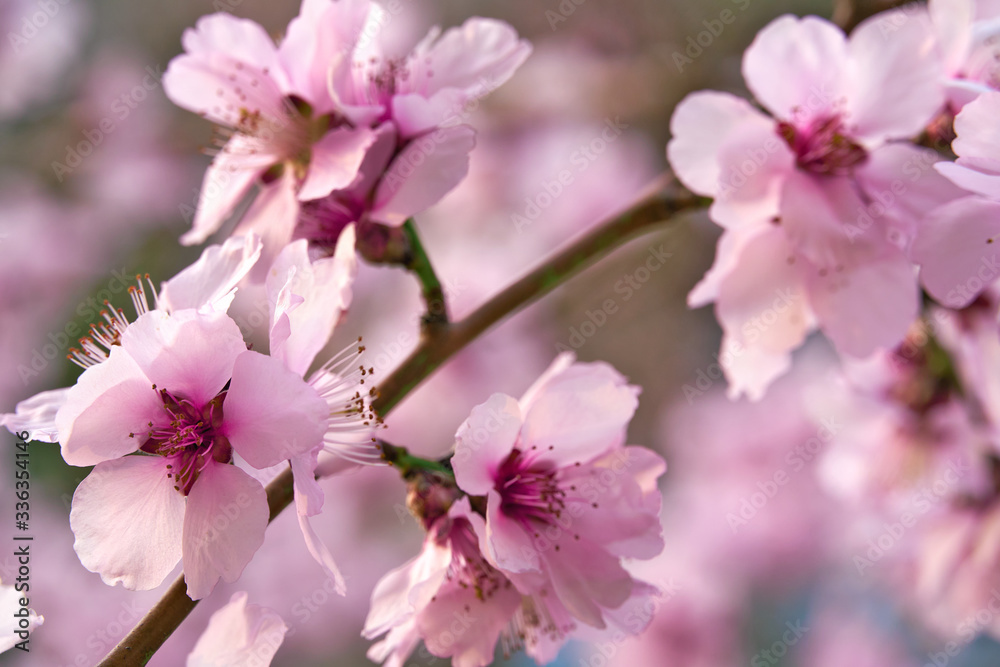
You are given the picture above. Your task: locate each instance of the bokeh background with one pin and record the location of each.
(100, 173)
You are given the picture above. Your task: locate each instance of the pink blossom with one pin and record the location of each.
(565, 499)
(239, 634)
(817, 205)
(287, 136)
(183, 388)
(334, 130)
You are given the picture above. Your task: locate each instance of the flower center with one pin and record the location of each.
(383, 78)
(823, 146)
(191, 439)
(528, 490)
(321, 221)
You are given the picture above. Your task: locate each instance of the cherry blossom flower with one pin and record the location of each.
(182, 391)
(324, 104)
(565, 499)
(817, 204)
(239, 634)
(285, 136)
(208, 285)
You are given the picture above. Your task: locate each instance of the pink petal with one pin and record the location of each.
(952, 21)
(309, 494)
(271, 414)
(896, 78)
(239, 634)
(797, 65)
(109, 403)
(320, 38)
(272, 215)
(464, 626)
(475, 58)
(821, 218)
(426, 170)
(586, 578)
(751, 370)
(975, 126)
(190, 354)
(979, 176)
(335, 161)
(238, 37)
(128, 520)
(223, 527)
(727, 255)
(211, 281)
(867, 306)
(755, 164)
(321, 554)
(409, 588)
(510, 547)
(37, 415)
(702, 123)
(307, 299)
(579, 414)
(956, 251)
(227, 181)
(415, 114)
(762, 302)
(483, 441)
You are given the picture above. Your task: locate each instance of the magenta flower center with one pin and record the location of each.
(191, 440)
(529, 490)
(823, 146)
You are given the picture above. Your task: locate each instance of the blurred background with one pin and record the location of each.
(100, 173)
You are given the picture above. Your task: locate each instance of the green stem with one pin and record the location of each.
(438, 344)
(408, 464)
(419, 263)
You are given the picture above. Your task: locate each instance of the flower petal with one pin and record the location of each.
(106, 412)
(509, 546)
(797, 66)
(272, 215)
(227, 181)
(307, 299)
(321, 554)
(271, 414)
(223, 527)
(211, 281)
(37, 415)
(956, 250)
(190, 354)
(335, 161)
(579, 413)
(483, 441)
(128, 520)
(239, 634)
(424, 172)
(702, 123)
(896, 78)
